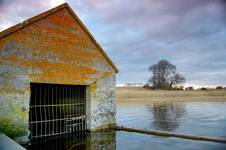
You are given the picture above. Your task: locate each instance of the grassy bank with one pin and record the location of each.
(139, 94)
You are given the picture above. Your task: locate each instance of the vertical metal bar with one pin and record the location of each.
(80, 107)
(63, 100)
(69, 99)
(85, 99)
(79, 95)
(82, 89)
(49, 113)
(52, 115)
(59, 99)
(44, 101)
(56, 108)
(40, 108)
(66, 92)
(77, 111)
(77, 107)
(69, 106)
(36, 125)
(72, 107)
(83, 107)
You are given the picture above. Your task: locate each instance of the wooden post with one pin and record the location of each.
(170, 134)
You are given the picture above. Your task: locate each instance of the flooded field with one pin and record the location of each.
(200, 118)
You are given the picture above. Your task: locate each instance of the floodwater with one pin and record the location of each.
(199, 118)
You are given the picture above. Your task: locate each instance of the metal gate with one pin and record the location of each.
(56, 109)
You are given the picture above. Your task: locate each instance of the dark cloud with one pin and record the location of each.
(168, 20)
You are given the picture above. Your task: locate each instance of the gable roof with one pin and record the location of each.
(19, 26)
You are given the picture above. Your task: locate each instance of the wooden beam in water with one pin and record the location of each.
(170, 134)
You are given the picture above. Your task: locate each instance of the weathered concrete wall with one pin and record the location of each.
(14, 100)
(55, 49)
(103, 106)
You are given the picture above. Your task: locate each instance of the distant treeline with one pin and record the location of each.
(190, 88)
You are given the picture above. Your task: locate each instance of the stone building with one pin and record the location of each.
(54, 78)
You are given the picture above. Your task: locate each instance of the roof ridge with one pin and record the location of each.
(38, 17)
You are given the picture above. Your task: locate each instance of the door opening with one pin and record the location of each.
(56, 109)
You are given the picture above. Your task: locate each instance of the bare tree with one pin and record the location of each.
(164, 75)
(177, 79)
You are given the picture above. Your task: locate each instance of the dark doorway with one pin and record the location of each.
(56, 109)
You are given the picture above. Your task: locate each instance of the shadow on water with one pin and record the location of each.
(81, 141)
(167, 116)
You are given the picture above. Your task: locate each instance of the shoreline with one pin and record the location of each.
(142, 95)
(173, 99)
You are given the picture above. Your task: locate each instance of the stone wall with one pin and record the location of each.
(14, 101)
(103, 105)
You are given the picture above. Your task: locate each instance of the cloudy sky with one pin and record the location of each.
(137, 33)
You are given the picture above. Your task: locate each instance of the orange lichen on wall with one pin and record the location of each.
(57, 49)
(93, 88)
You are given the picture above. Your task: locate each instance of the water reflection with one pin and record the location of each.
(166, 116)
(82, 141)
(191, 118)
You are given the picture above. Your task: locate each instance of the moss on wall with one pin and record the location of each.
(11, 129)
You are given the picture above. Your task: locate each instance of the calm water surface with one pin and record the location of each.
(200, 118)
